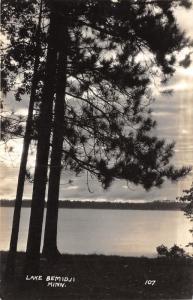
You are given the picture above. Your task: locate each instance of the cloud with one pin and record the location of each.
(184, 18)
(174, 116)
(11, 104)
(8, 181)
(182, 85)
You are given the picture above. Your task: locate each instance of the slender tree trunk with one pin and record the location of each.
(40, 176)
(50, 237)
(10, 266)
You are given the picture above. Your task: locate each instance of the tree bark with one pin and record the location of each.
(50, 237)
(10, 265)
(40, 176)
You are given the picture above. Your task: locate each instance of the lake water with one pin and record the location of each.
(118, 232)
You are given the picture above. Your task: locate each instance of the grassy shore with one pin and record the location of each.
(103, 277)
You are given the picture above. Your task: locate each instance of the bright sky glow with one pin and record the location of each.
(174, 115)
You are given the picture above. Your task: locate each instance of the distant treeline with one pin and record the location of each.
(155, 205)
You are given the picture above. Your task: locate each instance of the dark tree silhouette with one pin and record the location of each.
(19, 25)
(107, 122)
(23, 163)
(174, 252)
(44, 130)
(11, 127)
(188, 197)
(57, 143)
(107, 126)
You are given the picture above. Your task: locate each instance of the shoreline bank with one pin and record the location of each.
(155, 205)
(103, 277)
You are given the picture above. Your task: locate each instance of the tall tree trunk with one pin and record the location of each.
(40, 176)
(50, 237)
(10, 266)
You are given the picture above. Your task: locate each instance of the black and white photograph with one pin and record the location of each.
(96, 150)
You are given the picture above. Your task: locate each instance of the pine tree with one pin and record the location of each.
(57, 142)
(105, 96)
(44, 131)
(187, 197)
(27, 136)
(107, 120)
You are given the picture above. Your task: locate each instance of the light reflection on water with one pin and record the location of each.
(119, 232)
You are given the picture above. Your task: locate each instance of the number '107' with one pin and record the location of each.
(150, 282)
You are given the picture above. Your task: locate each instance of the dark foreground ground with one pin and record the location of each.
(103, 277)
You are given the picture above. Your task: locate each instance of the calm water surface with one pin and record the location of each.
(119, 232)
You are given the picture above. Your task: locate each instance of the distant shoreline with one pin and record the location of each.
(155, 205)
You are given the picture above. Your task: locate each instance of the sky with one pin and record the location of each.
(174, 115)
